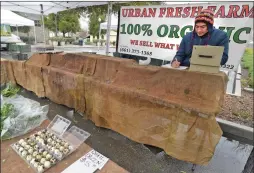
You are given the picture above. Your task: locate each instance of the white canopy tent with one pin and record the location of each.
(48, 7)
(13, 19)
(8, 17)
(42, 7)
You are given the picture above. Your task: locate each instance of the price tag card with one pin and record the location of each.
(88, 163)
(97, 158)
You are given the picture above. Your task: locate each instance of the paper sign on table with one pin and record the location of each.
(178, 68)
(97, 158)
(88, 163)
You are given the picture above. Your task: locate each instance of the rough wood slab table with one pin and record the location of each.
(11, 162)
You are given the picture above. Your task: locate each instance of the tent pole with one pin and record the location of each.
(108, 27)
(17, 30)
(43, 28)
(99, 38)
(56, 23)
(35, 40)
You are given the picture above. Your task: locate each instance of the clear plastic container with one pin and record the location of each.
(75, 136)
(58, 126)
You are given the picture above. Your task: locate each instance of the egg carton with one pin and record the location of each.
(56, 146)
(39, 162)
(54, 142)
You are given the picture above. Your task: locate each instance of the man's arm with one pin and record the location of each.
(225, 43)
(180, 54)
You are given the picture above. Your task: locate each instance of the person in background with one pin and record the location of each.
(204, 33)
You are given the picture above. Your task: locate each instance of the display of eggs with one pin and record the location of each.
(41, 149)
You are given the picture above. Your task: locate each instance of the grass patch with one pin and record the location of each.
(248, 64)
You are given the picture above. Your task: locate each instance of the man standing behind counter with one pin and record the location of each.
(204, 34)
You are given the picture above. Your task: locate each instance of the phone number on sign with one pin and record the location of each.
(136, 51)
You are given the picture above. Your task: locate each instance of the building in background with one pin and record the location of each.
(113, 35)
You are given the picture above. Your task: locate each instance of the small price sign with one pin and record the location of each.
(88, 163)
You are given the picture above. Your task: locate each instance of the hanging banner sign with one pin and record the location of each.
(156, 31)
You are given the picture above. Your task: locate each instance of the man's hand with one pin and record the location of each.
(175, 64)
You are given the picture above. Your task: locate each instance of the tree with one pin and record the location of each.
(94, 24)
(67, 21)
(96, 12)
(50, 22)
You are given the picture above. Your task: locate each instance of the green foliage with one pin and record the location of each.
(248, 64)
(94, 24)
(69, 39)
(66, 39)
(10, 91)
(67, 21)
(56, 38)
(6, 111)
(49, 22)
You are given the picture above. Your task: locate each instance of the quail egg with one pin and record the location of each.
(23, 144)
(21, 149)
(42, 161)
(53, 143)
(35, 164)
(24, 153)
(35, 154)
(49, 140)
(65, 151)
(21, 141)
(32, 161)
(38, 156)
(44, 153)
(47, 164)
(26, 147)
(61, 148)
(30, 151)
(66, 145)
(48, 156)
(28, 158)
(53, 161)
(40, 168)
